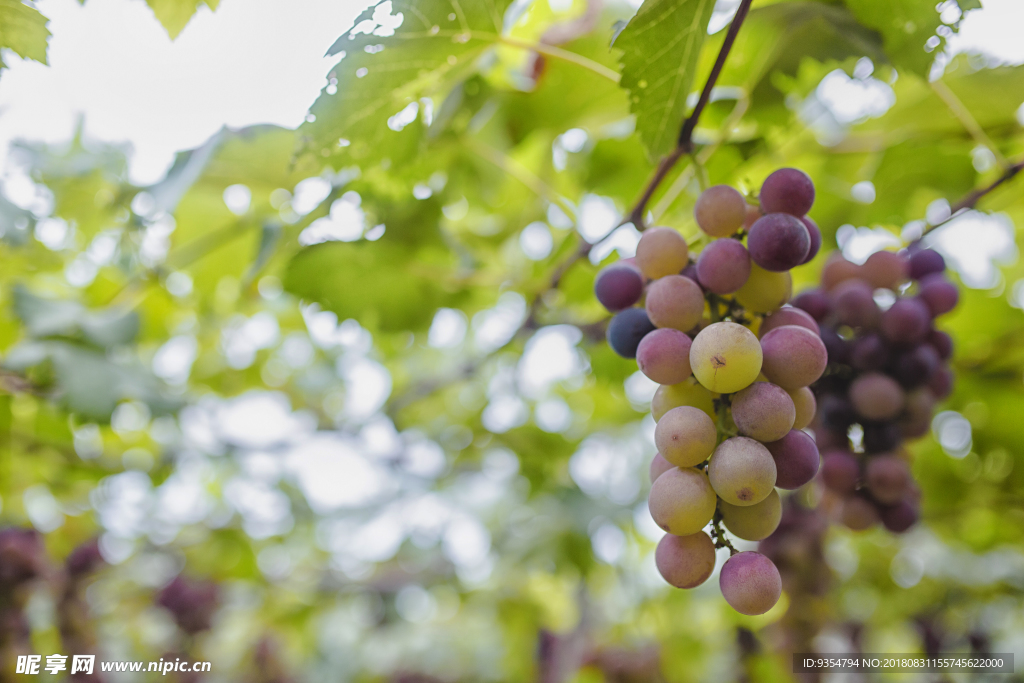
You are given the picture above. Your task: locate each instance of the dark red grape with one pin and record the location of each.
(836, 413)
(840, 471)
(906, 321)
(796, 459)
(618, 286)
(938, 293)
(925, 262)
(887, 477)
(837, 347)
(880, 437)
(84, 559)
(191, 603)
(723, 266)
(899, 517)
(854, 304)
(778, 242)
(942, 343)
(941, 384)
(787, 190)
(869, 353)
(885, 270)
(916, 367)
(815, 234)
(626, 330)
(21, 555)
(815, 302)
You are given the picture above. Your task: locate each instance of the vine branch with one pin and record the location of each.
(972, 198)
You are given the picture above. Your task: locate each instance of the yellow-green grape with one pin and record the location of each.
(685, 561)
(742, 471)
(685, 436)
(764, 291)
(725, 357)
(806, 405)
(688, 393)
(753, 522)
(682, 501)
(720, 211)
(661, 252)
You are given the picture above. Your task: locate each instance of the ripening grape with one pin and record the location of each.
(899, 517)
(881, 436)
(925, 262)
(720, 211)
(794, 356)
(917, 366)
(869, 353)
(787, 190)
(753, 213)
(618, 286)
(688, 393)
(887, 478)
(626, 330)
(725, 357)
(837, 269)
(942, 343)
(753, 522)
(750, 583)
(764, 291)
(885, 270)
(938, 293)
(788, 315)
(854, 304)
(685, 561)
(682, 501)
(664, 356)
(906, 321)
(778, 242)
(685, 436)
(840, 471)
(659, 466)
(763, 411)
(877, 396)
(814, 232)
(838, 348)
(742, 471)
(675, 301)
(723, 266)
(858, 513)
(661, 252)
(814, 302)
(941, 383)
(796, 459)
(805, 404)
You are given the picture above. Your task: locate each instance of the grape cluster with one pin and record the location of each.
(887, 370)
(191, 602)
(734, 368)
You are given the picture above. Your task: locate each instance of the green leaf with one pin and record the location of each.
(23, 30)
(437, 44)
(174, 15)
(660, 47)
(59, 318)
(905, 25)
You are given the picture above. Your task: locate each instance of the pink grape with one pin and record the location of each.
(723, 266)
(840, 471)
(659, 466)
(682, 501)
(661, 252)
(763, 411)
(877, 396)
(750, 583)
(906, 321)
(720, 211)
(778, 242)
(796, 459)
(814, 232)
(815, 302)
(788, 315)
(787, 190)
(794, 356)
(888, 478)
(854, 304)
(675, 301)
(742, 471)
(685, 561)
(938, 293)
(885, 270)
(859, 514)
(664, 356)
(837, 269)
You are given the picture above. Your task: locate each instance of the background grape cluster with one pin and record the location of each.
(734, 367)
(886, 372)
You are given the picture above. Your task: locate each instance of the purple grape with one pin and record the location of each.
(854, 304)
(788, 315)
(942, 343)
(899, 517)
(859, 513)
(887, 478)
(723, 266)
(916, 367)
(941, 384)
(925, 262)
(796, 459)
(84, 559)
(836, 413)
(869, 353)
(787, 190)
(664, 356)
(793, 356)
(815, 302)
(627, 329)
(21, 555)
(192, 603)
(840, 471)
(877, 396)
(906, 322)
(690, 272)
(778, 242)
(880, 437)
(618, 286)
(938, 293)
(885, 270)
(815, 234)
(750, 583)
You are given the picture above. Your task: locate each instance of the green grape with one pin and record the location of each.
(685, 561)
(764, 291)
(763, 411)
(753, 522)
(806, 405)
(688, 393)
(685, 436)
(661, 252)
(725, 357)
(682, 501)
(742, 471)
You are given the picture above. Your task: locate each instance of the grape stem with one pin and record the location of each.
(721, 540)
(684, 145)
(972, 198)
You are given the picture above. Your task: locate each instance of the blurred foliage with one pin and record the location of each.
(354, 372)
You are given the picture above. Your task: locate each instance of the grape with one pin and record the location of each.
(836, 413)
(939, 294)
(906, 321)
(750, 583)
(888, 478)
(764, 291)
(664, 356)
(763, 411)
(805, 405)
(881, 436)
(661, 252)
(794, 356)
(837, 269)
(796, 459)
(618, 286)
(815, 302)
(753, 522)
(685, 436)
(899, 517)
(854, 304)
(840, 471)
(659, 466)
(753, 213)
(787, 190)
(787, 315)
(941, 383)
(814, 232)
(690, 272)
(720, 211)
(675, 301)
(869, 353)
(885, 270)
(688, 393)
(742, 471)
(920, 404)
(723, 266)
(682, 501)
(192, 603)
(837, 348)
(918, 366)
(685, 561)
(859, 514)
(778, 241)
(942, 343)
(925, 262)
(877, 396)
(626, 330)
(725, 357)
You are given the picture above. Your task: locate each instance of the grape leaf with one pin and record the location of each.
(61, 318)
(174, 15)
(660, 47)
(386, 70)
(905, 25)
(23, 30)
